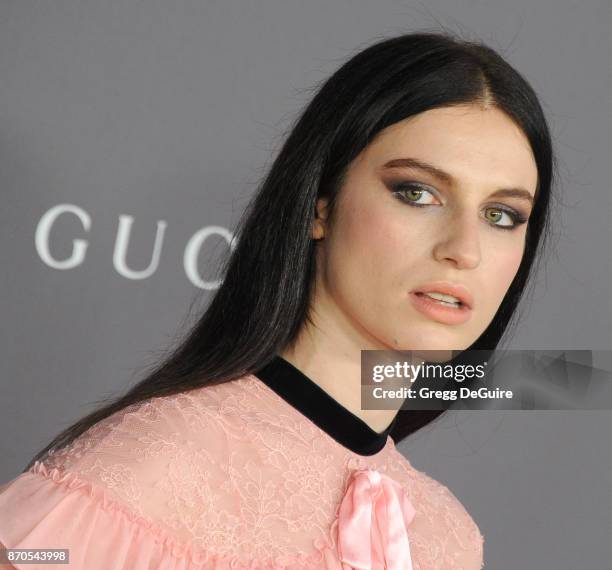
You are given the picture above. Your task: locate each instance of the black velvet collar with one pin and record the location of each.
(293, 386)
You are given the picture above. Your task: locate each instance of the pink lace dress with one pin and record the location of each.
(264, 472)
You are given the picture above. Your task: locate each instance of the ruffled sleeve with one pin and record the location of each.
(47, 508)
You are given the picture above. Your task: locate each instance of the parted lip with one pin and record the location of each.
(457, 290)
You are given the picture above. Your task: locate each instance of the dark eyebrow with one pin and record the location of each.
(448, 179)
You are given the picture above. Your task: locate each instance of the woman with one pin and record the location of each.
(424, 163)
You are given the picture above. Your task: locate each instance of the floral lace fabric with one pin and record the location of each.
(225, 476)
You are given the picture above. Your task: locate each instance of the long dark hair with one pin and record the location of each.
(263, 300)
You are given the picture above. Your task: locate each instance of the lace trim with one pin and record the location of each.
(175, 547)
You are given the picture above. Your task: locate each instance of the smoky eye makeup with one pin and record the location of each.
(411, 191)
(398, 186)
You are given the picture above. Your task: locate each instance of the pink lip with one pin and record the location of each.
(438, 312)
(446, 287)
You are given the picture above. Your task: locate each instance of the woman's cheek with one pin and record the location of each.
(374, 238)
(506, 267)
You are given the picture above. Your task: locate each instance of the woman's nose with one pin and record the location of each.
(459, 242)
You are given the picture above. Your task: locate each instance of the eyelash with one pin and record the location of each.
(398, 190)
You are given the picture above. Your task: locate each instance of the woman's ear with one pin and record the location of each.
(318, 224)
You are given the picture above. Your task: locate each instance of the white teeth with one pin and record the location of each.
(445, 298)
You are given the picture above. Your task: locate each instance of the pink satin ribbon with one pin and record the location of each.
(372, 523)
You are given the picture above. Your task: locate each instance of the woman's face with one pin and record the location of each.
(381, 247)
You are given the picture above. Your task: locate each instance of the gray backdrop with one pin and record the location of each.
(123, 120)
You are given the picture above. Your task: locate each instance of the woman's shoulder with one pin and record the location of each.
(148, 438)
(174, 456)
(160, 479)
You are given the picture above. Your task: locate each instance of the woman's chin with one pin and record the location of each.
(433, 342)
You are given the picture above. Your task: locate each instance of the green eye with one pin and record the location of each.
(514, 218)
(411, 193)
(499, 214)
